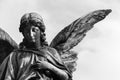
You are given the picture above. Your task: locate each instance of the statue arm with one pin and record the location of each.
(7, 68)
(15, 66)
(43, 65)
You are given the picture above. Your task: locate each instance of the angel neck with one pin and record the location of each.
(29, 45)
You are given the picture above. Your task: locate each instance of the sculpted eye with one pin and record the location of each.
(33, 29)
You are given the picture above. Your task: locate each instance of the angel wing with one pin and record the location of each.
(7, 45)
(71, 35)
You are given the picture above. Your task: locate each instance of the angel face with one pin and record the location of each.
(32, 27)
(31, 33)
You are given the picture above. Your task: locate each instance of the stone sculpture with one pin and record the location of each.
(34, 59)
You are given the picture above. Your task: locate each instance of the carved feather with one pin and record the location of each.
(7, 45)
(71, 35)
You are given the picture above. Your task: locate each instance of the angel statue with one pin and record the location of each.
(34, 59)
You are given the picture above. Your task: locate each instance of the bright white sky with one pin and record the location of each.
(99, 52)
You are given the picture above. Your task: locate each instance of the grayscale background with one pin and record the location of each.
(99, 52)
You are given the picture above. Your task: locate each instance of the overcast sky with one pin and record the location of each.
(99, 52)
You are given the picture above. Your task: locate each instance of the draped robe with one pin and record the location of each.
(25, 64)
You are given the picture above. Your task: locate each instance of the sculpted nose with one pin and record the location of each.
(34, 31)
